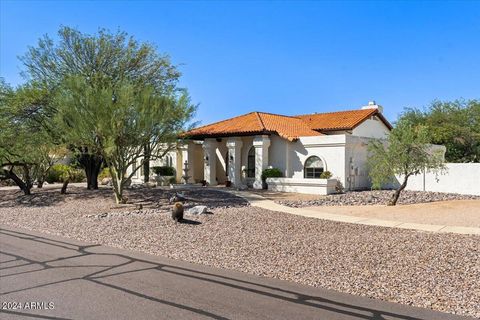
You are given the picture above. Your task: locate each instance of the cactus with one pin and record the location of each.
(177, 211)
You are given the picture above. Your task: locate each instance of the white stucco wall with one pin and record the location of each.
(221, 167)
(331, 149)
(460, 178)
(356, 154)
(278, 154)
(371, 129)
(138, 176)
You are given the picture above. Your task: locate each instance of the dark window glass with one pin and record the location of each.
(251, 163)
(313, 168)
(227, 163)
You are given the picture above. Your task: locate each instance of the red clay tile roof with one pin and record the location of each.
(341, 120)
(288, 127)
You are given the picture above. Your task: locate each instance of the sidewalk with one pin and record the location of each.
(259, 201)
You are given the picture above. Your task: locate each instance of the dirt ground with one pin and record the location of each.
(465, 213)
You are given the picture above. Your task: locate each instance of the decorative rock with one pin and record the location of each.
(106, 182)
(150, 184)
(376, 197)
(197, 210)
(177, 197)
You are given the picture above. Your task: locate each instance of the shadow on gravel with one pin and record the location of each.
(104, 278)
(187, 221)
(148, 198)
(50, 197)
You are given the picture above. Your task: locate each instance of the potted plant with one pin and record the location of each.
(164, 174)
(325, 175)
(270, 173)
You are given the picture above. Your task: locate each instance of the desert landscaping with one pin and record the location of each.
(431, 270)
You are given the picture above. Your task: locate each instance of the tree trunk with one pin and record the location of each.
(396, 195)
(40, 184)
(146, 163)
(28, 179)
(92, 165)
(64, 186)
(118, 184)
(24, 186)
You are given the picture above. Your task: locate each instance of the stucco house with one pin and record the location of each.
(301, 146)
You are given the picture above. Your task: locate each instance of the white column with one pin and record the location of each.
(261, 144)
(210, 161)
(287, 158)
(234, 146)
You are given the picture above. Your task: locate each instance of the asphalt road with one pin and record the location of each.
(66, 279)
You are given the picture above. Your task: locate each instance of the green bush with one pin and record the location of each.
(325, 175)
(172, 180)
(60, 173)
(105, 173)
(164, 170)
(271, 173)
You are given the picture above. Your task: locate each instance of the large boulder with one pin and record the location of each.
(150, 184)
(197, 210)
(106, 182)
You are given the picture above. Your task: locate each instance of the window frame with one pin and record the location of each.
(313, 172)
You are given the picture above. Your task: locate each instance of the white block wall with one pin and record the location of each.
(463, 178)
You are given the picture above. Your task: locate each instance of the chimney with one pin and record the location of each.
(373, 105)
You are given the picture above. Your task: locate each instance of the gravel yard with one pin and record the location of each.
(376, 197)
(437, 271)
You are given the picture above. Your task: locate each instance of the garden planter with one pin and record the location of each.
(163, 180)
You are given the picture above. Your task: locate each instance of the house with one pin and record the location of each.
(301, 146)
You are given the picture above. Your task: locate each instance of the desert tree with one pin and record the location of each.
(106, 59)
(405, 153)
(26, 148)
(131, 117)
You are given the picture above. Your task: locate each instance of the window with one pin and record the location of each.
(251, 163)
(168, 161)
(134, 167)
(313, 168)
(227, 163)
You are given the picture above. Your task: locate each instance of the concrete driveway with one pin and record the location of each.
(67, 279)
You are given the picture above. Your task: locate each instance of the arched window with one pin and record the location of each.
(251, 163)
(313, 168)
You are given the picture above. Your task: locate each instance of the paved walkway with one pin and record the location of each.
(259, 201)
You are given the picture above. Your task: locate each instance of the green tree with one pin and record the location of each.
(106, 59)
(456, 125)
(131, 117)
(25, 145)
(406, 153)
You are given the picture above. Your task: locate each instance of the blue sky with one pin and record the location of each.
(281, 57)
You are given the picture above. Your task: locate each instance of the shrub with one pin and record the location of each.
(61, 172)
(164, 170)
(172, 180)
(105, 173)
(325, 175)
(271, 173)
